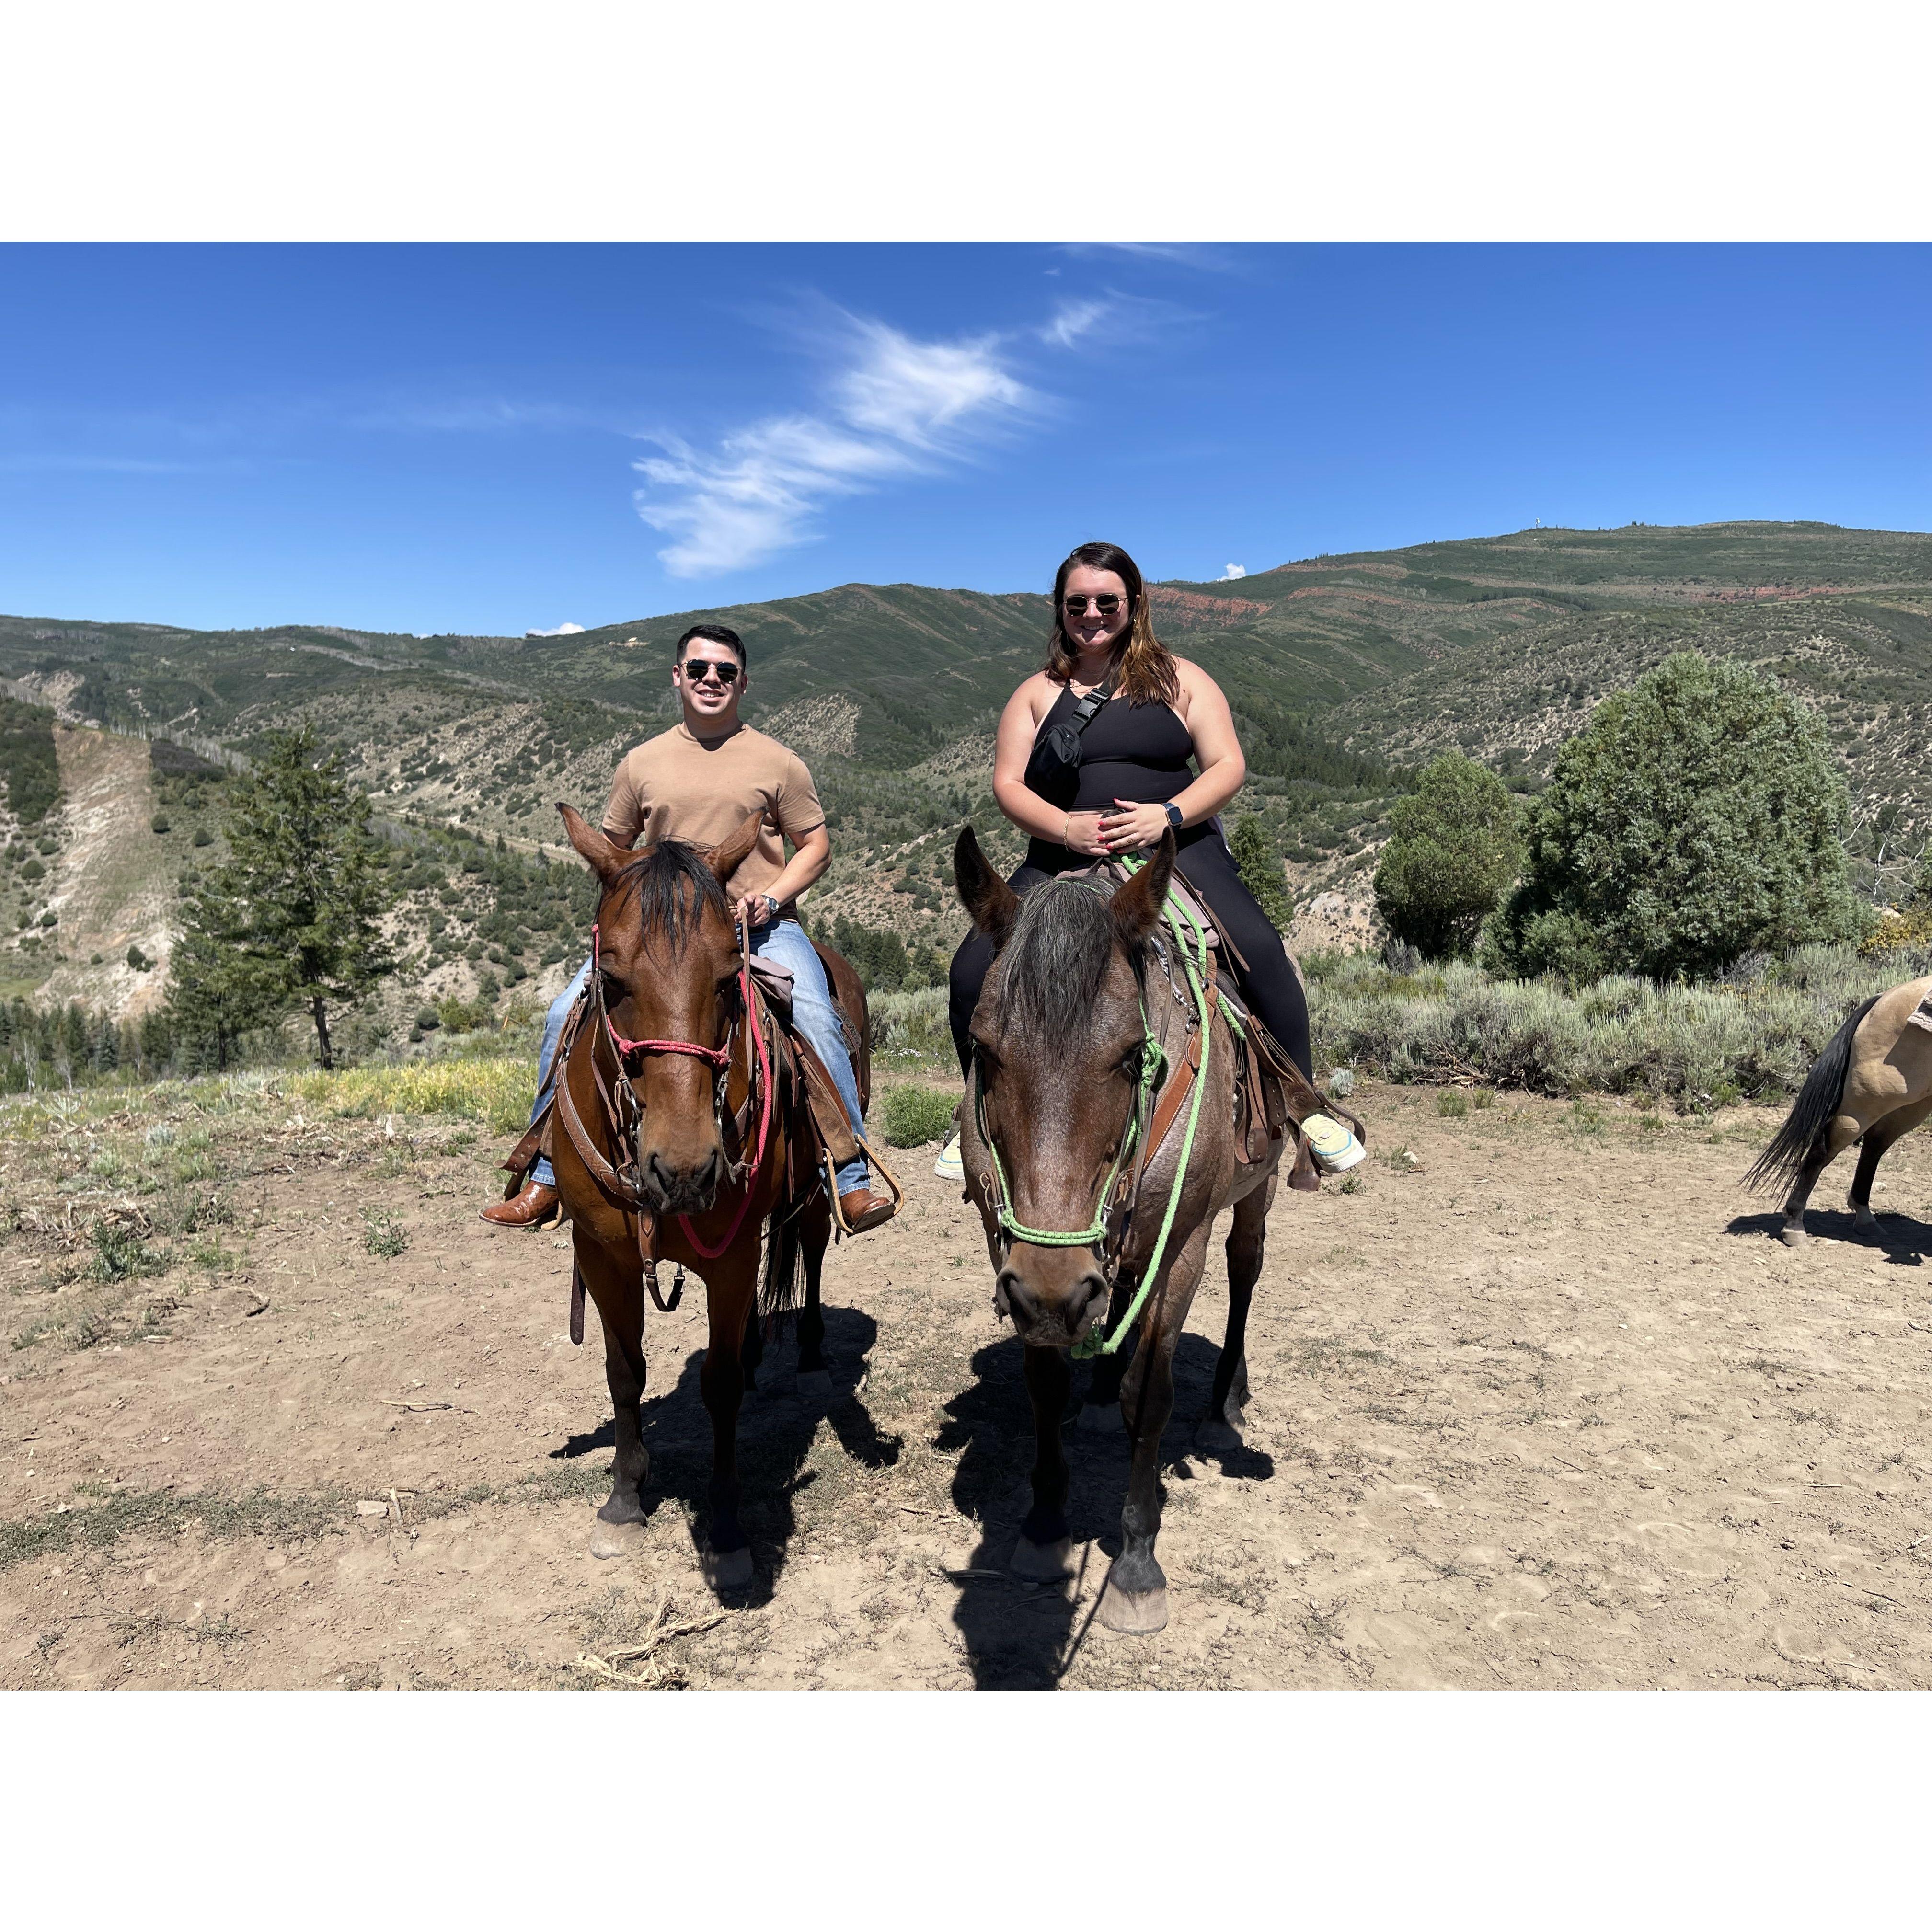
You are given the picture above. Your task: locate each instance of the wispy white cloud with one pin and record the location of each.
(562, 631)
(1072, 320)
(1233, 571)
(897, 407)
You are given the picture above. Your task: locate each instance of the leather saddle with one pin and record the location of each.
(1272, 1096)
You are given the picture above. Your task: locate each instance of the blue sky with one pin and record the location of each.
(499, 438)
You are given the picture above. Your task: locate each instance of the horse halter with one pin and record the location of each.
(1132, 1135)
(719, 1056)
(627, 1114)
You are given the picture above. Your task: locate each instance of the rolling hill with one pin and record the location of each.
(1345, 672)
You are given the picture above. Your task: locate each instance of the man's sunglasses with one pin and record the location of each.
(695, 669)
(1106, 604)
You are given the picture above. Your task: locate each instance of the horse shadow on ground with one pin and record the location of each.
(1904, 1241)
(1021, 1635)
(776, 1429)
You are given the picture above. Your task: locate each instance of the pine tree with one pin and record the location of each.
(292, 921)
(1260, 868)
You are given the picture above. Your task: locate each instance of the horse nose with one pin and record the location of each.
(1088, 1296)
(1014, 1297)
(684, 1190)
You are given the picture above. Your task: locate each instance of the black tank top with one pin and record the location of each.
(1139, 752)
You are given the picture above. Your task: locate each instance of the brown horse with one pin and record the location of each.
(1871, 1087)
(668, 1027)
(1060, 1038)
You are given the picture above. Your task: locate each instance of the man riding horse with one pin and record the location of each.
(698, 782)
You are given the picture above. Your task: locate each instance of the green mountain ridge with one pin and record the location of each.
(1345, 673)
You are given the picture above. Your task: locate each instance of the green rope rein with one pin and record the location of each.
(1093, 1343)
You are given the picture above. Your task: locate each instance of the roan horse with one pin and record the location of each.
(669, 1027)
(1060, 1041)
(1871, 1087)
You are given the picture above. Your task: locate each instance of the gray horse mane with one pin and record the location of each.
(1053, 966)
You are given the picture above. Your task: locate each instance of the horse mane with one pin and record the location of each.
(1053, 966)
(660, 875)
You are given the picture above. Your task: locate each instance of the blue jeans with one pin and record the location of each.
(783, 943)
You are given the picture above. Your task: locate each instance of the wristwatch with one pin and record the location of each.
(771, 917)
(1174, 814)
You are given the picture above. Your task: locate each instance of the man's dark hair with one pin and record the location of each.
(716, 634)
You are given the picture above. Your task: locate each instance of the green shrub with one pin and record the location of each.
(1455, 846)
(120, 1254)
(428, 1018)
(1452, 1105)
(381, 1234)
(912, 1116)
(1697, 817)
(159, 823)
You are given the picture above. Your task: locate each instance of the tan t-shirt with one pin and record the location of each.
(675, 786)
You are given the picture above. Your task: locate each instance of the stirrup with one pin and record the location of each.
(885, 1173)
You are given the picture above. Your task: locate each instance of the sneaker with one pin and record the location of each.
(1335, 1148)
(949, 1166)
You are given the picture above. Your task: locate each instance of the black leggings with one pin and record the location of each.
(1270, 982)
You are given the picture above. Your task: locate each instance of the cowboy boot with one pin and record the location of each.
(862, 1209)
(531, 1209)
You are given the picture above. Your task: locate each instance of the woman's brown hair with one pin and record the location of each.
(1146, 669)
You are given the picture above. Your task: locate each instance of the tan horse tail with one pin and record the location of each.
(1812, 1112)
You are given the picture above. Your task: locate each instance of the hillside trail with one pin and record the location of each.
(110, 889)
(1543, 1405)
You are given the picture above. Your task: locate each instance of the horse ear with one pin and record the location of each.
(725, 860)
(985, 895)
(1137, 907)
(603, 858)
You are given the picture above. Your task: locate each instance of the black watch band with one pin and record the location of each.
(1174, 814)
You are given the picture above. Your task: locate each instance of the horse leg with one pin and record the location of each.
(814, 1235)
(1880, 1140)
(727, 1558)
(620, 1308)
(1843, 1130)
(751, 1350)
(1100, 1413)
(1135, 1599)
(1044, 1546)
(1220, 1428)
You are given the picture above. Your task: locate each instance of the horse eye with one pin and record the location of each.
(1130, 1064)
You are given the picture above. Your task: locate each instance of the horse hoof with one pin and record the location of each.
(1132, 1614)
(1101, 1418)
(1042, 1562)
(1217, 1437)
(617, 1539)
(814, 1383)
(731, 1569)
(1794, 1238)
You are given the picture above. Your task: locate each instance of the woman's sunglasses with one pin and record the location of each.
(1106, 604)
(695, 670)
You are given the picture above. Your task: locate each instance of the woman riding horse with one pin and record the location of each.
(1154, 712)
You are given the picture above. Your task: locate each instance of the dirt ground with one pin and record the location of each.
(1537, 1403)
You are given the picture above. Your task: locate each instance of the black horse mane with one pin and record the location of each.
(661, 875)
(1052, 967)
